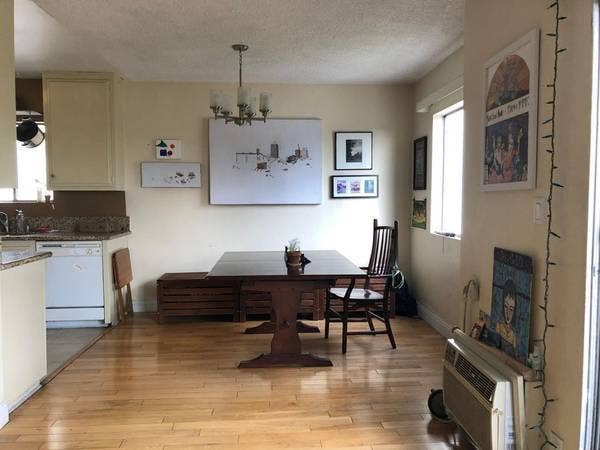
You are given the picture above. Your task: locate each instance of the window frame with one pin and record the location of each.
(14, 190)
(438, 172)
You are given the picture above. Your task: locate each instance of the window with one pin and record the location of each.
(447, 169)
(31, 174)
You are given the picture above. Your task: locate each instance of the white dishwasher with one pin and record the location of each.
(74, 283)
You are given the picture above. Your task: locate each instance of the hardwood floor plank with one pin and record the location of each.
(177, 386)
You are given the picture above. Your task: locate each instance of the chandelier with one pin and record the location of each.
(222, 104)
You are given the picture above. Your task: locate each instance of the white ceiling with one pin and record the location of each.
(291, 41)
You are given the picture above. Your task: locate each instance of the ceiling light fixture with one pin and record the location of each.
(222, 104)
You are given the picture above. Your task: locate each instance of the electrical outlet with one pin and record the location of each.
(556, 441)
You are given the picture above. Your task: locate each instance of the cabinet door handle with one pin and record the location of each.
(52, 175)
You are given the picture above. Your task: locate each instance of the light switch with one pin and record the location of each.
(539, 210)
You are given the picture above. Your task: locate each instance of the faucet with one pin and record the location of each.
(3, 223)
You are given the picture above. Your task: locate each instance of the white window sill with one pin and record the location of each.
(456, 237)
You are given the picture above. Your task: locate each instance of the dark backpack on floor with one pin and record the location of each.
(406, 305)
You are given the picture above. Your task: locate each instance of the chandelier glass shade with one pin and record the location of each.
(222, 104)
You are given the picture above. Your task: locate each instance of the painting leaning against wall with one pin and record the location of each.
(508, 325)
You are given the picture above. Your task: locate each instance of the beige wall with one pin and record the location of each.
(435, 260)
(8, 151)
(505, 219)
(177, 230)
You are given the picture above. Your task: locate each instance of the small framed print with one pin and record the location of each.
(168, 148)
(420, 164)
(357, 186)
(419, 215)
(353, 150)
(156, 174)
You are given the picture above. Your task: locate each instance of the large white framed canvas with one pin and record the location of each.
(510, 116)
(274, 163)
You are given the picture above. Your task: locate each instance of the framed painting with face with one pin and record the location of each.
(510, 319)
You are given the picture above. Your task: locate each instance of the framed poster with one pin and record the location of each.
(273, 163)
(420, 164)
(419, 214)
(171, 175)
(353, 150)
(510, 116)
(510, 319)
(354, 186)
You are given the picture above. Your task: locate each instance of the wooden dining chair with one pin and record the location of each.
(381, 265)
(123, 278)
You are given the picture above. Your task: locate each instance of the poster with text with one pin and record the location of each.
(510, 119)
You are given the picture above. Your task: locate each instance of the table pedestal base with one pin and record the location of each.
(285, 360)
(286, 349)
(269, 328)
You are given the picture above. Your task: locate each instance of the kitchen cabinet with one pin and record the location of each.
(22, 334)
(80, 114)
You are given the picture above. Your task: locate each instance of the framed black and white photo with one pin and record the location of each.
(354, 186)
(420, 164)
(353, 150)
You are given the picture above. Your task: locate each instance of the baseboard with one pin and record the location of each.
(144, 306)
(24, 396)
(3, 414)
(436, 322)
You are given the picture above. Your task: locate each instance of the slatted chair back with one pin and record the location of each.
(383, 251)
(123, 276)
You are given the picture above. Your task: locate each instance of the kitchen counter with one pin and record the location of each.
(66, 236)
(10, 259)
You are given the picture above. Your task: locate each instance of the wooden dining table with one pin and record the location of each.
(267, 271)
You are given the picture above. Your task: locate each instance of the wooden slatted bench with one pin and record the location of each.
(192, 294)
(256, 302)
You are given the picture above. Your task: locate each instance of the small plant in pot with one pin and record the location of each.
(294, 255)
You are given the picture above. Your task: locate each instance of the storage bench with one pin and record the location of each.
(192, 294)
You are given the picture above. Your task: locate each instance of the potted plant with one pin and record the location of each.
(294, 255)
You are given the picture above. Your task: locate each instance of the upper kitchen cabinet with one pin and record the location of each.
(81, 136)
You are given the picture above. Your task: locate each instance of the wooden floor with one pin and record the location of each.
(176, 386)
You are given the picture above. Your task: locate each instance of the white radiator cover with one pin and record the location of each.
(479, 398)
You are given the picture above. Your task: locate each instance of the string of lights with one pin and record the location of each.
(550, 233)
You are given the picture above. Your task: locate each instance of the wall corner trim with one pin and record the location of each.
(428, 101)
(24, 396)
(3, 414)
(436, 322)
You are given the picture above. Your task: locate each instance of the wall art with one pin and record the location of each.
(353, 150)
(419, 214)
(171, 175)
(168, 148)
(354, 186)
(272, 163)
(510, 116)
(509, 323)
(420, 164)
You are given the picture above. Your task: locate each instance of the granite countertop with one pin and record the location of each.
(66, 236)
(10, 259)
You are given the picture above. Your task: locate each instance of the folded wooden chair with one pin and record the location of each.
(123, 278)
